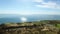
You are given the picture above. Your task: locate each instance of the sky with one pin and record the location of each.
(28, 7)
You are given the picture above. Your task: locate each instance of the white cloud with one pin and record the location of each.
(29, 12)
(38, 0)
(49, 4)
(23, 0)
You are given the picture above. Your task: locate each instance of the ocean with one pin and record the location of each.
(5, 18)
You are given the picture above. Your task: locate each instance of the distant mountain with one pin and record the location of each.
(16, 18)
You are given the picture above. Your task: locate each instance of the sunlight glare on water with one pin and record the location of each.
(23, 19)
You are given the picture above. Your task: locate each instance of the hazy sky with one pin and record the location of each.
(27, 7)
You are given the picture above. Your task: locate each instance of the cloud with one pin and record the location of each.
(54, 4)
(49, 4)
(28, 12)
(38, 0)
(23, 0)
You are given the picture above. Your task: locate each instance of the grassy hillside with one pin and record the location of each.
(35, 27)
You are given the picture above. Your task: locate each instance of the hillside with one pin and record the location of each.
(35, 27)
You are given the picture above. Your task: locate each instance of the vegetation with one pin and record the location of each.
(36, 27)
